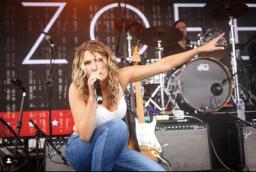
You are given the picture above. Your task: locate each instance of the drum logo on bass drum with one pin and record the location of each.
(203, 67)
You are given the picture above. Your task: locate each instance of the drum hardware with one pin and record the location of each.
(252, 98)
(204, 84)
(217, 94)
(129, 44)
(131, 26)
(194, 44)
(213, 33)
(154, 79)
(131, 85)
(198, 42)
(172, 86)
(236, 98)
(206, 37)
(218, 88)
(224, 10)
(158, 36)
(230, 11)
(167, 35)
(160, 87)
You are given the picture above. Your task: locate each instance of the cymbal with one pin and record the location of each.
(167, 35)
(228, 9)
(131, 26)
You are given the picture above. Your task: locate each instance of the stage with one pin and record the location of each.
(202, 113)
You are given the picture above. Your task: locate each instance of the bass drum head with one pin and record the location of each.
(198, 81)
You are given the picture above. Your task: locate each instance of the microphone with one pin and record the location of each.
(216, 89)
(49, 39)
(98, 92)
(17, 82)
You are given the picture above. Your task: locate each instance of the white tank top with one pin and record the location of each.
(104, 115)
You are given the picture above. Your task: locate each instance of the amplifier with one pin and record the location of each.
(248, 141)
(187, 145)
(54, 161)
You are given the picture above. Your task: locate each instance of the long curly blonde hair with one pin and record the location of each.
(79, 77)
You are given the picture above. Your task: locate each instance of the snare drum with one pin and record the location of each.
(205, 84)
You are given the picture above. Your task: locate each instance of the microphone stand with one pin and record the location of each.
(18, 83)
(19, 123)
(21, 112)
(49, 83)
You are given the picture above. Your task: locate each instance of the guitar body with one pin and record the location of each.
(147, 141)
(142, 135)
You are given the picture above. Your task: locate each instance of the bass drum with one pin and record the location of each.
(205, 84)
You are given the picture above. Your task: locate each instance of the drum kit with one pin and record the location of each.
(205, 83)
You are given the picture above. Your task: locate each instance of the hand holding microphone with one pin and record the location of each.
(95, 87)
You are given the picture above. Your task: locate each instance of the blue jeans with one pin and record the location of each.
(107, 151)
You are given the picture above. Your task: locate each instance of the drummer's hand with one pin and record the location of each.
(211, 46)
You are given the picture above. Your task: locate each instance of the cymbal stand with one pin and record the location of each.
(131, 85)
(236, 98)
(174, 90)
(160, 87)
(129, 41)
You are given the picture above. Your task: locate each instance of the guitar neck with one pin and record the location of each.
(138, 88)
(139, 102)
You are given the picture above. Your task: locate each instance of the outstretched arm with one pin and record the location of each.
(137, 73)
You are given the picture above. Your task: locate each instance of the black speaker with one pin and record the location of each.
(187, 145)
(248, 146)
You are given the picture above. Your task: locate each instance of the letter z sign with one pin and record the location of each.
(60, 6)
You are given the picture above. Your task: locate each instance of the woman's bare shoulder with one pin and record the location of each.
(73, 90)
(72, 86)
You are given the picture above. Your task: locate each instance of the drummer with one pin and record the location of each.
(178, 47)
(181, 45)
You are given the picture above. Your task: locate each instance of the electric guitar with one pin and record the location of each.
(145, 132)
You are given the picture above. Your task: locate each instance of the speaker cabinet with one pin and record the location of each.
(187, 146)
(248, 146)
